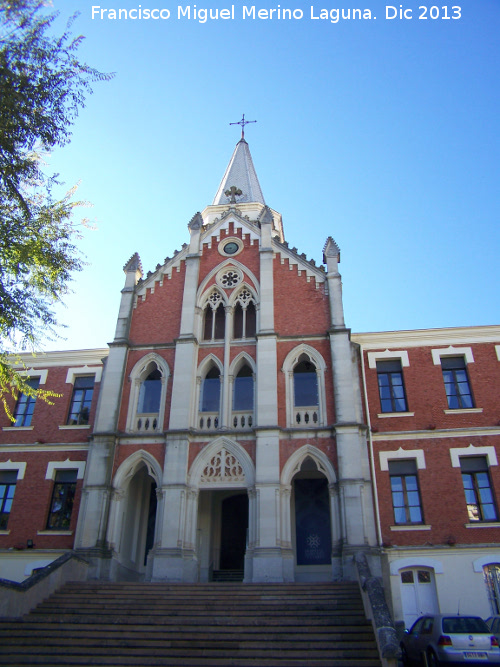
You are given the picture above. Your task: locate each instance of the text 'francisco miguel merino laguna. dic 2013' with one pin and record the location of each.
(202, 15)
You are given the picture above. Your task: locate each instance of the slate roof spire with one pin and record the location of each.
(241, 174)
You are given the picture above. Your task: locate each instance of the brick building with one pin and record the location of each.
(236, 426)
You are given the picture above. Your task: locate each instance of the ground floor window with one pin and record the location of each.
(63, 496)
(492, 580)
(8, 479)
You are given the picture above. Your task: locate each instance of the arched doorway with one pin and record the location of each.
(233, 534)
(222, 533)
(224, 476)
(313, 532)
(136, 524)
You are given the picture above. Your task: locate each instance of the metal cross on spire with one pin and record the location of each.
(243, 122)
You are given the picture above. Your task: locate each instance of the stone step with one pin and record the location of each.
(203, 625)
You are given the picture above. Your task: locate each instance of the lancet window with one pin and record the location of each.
(210, 396)
(243, 398)
(214, 317)
(148, 395)
(244, 316)
(304, 368)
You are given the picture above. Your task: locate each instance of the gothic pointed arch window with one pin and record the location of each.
(243, 397)
(147, 395)
(306, 406)
(214, 317)
(210, 399)
(244, 315)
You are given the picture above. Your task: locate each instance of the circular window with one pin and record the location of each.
(231, 246)
(229, 277)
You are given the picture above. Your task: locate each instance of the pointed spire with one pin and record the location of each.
(240, 175)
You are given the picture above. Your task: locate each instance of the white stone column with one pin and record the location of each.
(175, 558)
(356, 506)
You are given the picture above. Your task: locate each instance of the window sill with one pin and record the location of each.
(54, 532)
(18, 428)
(417, 526)
(462, 411)
(483, 524)
(4, 532)
(73, 426)
(396, 414)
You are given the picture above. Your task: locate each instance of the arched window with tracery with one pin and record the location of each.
(214, 318)
(243, 397)
(305, 391)
(244, 316)
(148, 395)
(210, 398)
(492, 579)
(305, 374)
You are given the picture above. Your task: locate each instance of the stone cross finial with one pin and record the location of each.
(233, 192)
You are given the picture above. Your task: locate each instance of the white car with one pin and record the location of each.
(445, 639)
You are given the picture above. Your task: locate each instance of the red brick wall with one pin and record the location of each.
(300, 308)
(426, 394)
(47, 418)
(32, 499)
(442, 494)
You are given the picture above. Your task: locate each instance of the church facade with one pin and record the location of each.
(236, 427)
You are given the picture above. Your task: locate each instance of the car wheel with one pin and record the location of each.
(432, 659)
(404, 657)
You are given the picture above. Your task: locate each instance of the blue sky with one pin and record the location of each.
(382, 133)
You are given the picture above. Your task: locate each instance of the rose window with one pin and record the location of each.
(230, 278)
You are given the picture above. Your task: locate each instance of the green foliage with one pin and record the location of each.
(42, 87)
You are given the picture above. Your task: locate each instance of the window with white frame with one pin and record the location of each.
(244, 315)
(491, 575)
(481, 505)
(406, 501)
(391, 386)
(25, 405)
(81, 400)
(304, 370)
(8, 481)
(148, 394)
(214, 317)
(210, 398)
(63, 496)
(456, 382)
(243, 397)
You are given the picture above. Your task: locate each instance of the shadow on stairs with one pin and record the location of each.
(205, 625)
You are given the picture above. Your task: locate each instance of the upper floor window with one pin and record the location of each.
(23, 412)
(148, 389)
(214, 324)
(63, 496)
(305, 383)
(81, 400)
(150, 393)
(244, 316)
(478, 490)
(406, 501)
(304, 370)
(390, 386)
(8, 479)
(456, 382)
(210, 396)
(243, 394)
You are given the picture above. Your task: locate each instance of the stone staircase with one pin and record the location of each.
(207, 625)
